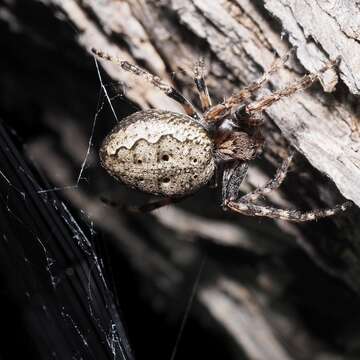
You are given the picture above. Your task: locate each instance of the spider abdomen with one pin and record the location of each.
(159, 152)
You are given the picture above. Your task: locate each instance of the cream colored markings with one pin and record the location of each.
(154, 128)
(163, 154)
(167, 167)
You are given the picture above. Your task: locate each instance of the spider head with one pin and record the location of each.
(235, 133)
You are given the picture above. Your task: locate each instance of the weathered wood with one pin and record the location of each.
(240, 39)
(243, 40)
(322, 30)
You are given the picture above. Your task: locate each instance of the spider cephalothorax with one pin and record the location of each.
(173, 155)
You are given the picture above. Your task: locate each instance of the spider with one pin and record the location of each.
(173, 155)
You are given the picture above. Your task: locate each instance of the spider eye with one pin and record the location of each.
(240, 113)
(165, 157)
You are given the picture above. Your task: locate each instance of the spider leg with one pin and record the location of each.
(272, 184)
(199, 78)
(148, 207)
(249, 209)
(167, 89)
(233, 175)
(245, 205)
(298, 85)
(218, 112)
(247, 91)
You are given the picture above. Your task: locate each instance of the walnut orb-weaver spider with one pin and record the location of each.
(173, 155)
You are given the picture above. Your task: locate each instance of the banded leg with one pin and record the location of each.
(250, 209)
(233, 175)
(148, 207)
(199, 77)
(219, 112)
(272, 184)
(246, 206)
(152, 79)
(305, 82)
(248, 91)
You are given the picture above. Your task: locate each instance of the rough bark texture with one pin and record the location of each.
(269, 290)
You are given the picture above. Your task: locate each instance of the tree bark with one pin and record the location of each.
(271, 289)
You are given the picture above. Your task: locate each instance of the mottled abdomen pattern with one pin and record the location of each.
(159, 152)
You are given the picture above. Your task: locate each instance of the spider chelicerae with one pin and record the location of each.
(173, 155)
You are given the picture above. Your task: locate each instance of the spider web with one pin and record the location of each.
(61, 273)
(111, 331)
(102, 93)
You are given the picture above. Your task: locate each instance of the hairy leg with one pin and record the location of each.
(219, 112)
(301, 84)
(199, 78)
(245, 205)
(272, 184)
(233, 175)
(249, 209)
(248, 91)
(152, 79)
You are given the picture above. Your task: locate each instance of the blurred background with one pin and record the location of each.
(81, 280)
